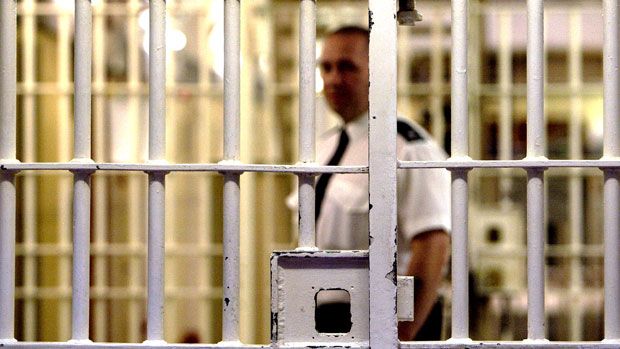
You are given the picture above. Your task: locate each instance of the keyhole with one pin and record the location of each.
(332, 311)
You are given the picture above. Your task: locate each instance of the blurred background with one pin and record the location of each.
(269, 44)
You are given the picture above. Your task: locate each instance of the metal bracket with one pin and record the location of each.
(297, 279)
(407, 13)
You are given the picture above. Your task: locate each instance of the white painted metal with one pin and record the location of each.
(297, 279)
(307, 64)
(535, 184)
(611, 149)
(81, 188)
(459, 151)
(382, 173)
(8, 146)
(157, 153)
(232, 93)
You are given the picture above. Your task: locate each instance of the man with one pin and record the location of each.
(342, 200)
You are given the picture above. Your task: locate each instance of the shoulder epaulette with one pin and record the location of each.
(407, 131)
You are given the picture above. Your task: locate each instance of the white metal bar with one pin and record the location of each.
(295, 169)
(382, 173)
(8, 59)
(535, 185)
(81, 256)
(576, 192)
(307, 121)
(7, 252)
(157, 153)
(460, 264)
(82, 152)
(232, 93)
(8, 147)
(460, 150)
(28, 142)
(156, 256)
(611, 149)
(83, 78)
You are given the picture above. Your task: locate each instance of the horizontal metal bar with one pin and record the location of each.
(306, 168)
(159, 167)
(526, 344)
(404, 345)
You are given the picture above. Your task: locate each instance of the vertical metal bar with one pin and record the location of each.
(307, 64)
(612, 186)
(81, 256)
(83, 79)
(576, 193)
(8, 58)
(28, 140)
(460, 149)
(8, 62)
(230, 321)
(535, 185)
(82, 153)
(157, 153)
(382, 173)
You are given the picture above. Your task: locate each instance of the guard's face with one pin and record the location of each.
(344, 69)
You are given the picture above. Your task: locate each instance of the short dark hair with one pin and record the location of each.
(352, 30)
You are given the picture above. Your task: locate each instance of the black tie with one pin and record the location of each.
(321, 184)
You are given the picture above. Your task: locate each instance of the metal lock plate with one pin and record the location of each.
(300, 278)
(296, 280)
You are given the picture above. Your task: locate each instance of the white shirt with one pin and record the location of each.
(423, 195)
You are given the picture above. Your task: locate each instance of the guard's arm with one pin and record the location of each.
(429, 254)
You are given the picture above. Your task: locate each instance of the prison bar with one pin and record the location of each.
(157, 153)
(232, 192)
(82, 153)
(535, 182)
(460, 150)
(611, 150)
(382, 173)
(8, 149)
(307, 95)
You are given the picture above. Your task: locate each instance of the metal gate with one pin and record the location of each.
(382, 168)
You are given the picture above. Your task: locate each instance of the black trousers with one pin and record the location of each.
(336, 318)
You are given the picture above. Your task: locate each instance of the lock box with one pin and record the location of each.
(302, 279)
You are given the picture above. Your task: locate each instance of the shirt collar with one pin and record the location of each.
(358, 127)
